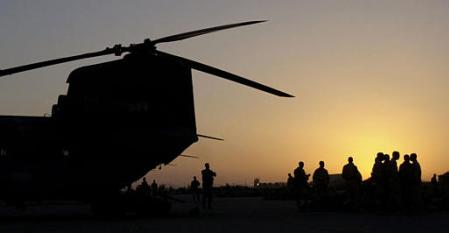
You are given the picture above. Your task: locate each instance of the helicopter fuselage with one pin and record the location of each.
(118, 120)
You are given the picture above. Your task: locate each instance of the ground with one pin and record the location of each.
(228, 215)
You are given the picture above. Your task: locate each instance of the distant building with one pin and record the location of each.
(259, 184)
(335, 181)
(272, 185)
(256, 182)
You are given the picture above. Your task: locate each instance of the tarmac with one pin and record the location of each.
(228, 215)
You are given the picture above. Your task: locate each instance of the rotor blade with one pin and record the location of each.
(116, 50)
(186, 35)
(190, 156)
(226, 75)
(210, 137)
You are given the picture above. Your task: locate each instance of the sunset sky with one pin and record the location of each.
(368, 76)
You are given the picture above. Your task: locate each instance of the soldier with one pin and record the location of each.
(406, 180)
(353, 180)
(301, 178)
(376, 173)
(320, 181)
(394, 161)
(300, 175)
(416, 182)
(290, 183)
(434, 183)
(143, 188)
(386, 170)
(394, 198)
(384, 181)
(376, 176)
(416, 168)
(208, 182)
(154, 188)
(195, 187)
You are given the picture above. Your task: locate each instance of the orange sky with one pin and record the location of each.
(368, 76)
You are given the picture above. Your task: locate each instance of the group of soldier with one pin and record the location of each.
(145, 189)
(397, 187)
(389, 188)
(207, 195)
(298, 184)
(207, 176)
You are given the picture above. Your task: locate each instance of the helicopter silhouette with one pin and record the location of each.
(119, 120)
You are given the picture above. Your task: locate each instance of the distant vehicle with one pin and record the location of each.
(118, 120)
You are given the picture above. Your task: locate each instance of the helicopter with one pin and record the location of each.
(118, 120)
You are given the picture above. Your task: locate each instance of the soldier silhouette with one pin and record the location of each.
(154, 188)
(394, 161)
(290, 183)
(208, 182)
(290, 179)
(143, 188)
(320, 183)
(377, 176)
(376, 173)
(353, 180)
(385, 178)
(416, 182)
(195, 188)
(406, 181)
(434, 182)
(416, 168)
(301, 178)
(377, 179)
(394, 198)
